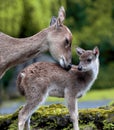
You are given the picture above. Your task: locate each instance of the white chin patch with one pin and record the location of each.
(61, 61)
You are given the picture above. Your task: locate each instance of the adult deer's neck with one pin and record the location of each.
(35, 44)
(14, 51)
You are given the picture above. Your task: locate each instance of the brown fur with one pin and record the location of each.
(14, 51)
(40, 79)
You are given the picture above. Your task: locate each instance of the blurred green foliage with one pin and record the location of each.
(37, 15)
(11, 16)
(106, 77)
(92, 24)
(90, 21)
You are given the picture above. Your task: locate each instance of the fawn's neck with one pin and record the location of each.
(95, 69)
(86, 79)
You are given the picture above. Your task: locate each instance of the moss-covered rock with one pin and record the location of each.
(56, 117)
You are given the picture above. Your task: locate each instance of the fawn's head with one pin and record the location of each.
(59, 40)
(88, 59)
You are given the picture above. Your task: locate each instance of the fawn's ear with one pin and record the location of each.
(53, 20)
(80, 51)
(96, 51)
(61, 17)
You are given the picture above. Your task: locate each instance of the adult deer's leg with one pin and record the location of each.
(73, 108)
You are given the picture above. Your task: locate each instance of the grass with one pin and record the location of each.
(99, 95)
(105, 94)
(92, 95)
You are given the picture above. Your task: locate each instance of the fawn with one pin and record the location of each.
(39, 80)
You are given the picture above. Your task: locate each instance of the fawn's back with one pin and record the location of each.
(42, 75)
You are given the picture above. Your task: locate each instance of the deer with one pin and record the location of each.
(56, 39)
(40, 80)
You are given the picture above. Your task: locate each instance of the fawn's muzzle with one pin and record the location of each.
(80, 68)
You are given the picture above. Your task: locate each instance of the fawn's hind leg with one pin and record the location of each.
(27, 124)
(24, 115)
(28, 110)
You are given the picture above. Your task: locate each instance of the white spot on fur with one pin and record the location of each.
(23, 74)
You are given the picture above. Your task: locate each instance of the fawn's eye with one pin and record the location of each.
(89, 60)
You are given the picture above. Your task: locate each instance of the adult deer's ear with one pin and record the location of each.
(61, 17)
(96, 51)
(53, 20)
(80, 51)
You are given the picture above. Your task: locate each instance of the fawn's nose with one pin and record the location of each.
(79, 67)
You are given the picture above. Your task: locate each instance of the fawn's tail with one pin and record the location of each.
(20, 84)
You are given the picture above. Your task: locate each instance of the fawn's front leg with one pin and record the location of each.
(73, 108)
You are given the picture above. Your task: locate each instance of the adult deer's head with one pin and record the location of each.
(59, 40)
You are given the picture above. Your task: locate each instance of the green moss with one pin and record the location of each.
(89, 126)
(13, 125)
(111, 103)
(56, 117)
(54, 109)
(99, 116)
(108, 125)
